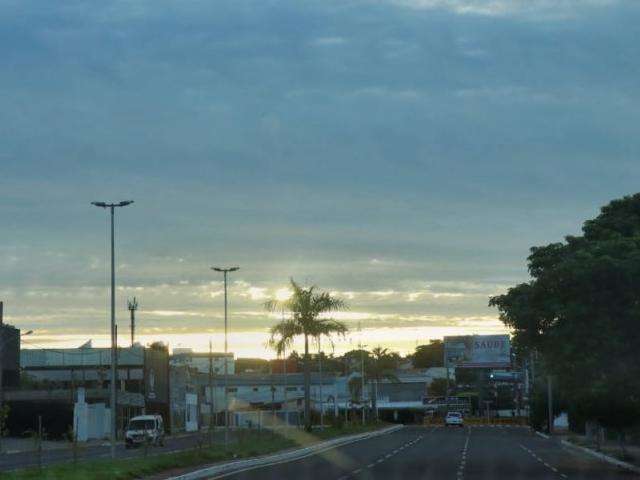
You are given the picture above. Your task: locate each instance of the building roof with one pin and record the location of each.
(266, 379)
(79, 357)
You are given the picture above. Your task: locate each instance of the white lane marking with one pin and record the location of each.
(388, 455)
(371, 465)
(357, 471)
(218, 476)
(553, 469)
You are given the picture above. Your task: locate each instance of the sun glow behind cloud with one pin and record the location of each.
(253, 343)
(474, 129)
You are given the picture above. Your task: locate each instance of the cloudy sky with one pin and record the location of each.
(404, 154)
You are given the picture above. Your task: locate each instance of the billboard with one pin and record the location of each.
(477, 351)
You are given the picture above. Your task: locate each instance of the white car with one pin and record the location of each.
(454, 419)
(144, 429)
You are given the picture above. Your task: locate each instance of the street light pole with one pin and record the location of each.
(225, 272)
(320, 374)
(113, 402)
(550, 404)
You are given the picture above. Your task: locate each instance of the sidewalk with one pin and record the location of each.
(11, 445)
(609, 448)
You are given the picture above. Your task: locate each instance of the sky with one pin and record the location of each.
(402, 154)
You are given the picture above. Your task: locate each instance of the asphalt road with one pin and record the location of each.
(470, 453)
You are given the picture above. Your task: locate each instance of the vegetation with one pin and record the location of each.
(427, 356)
(308, 311)
(580, 314)
(438, 387)
(382, 365)
(251, 365)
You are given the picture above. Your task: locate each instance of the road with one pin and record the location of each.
(470, 453)
(14, 461)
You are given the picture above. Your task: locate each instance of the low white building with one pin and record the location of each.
(201, 361)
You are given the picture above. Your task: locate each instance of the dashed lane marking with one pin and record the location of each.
(550, 467)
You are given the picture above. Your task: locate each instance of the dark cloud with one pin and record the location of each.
(439, 138)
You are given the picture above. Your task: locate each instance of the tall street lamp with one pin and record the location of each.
(114, 413)
(225, 272)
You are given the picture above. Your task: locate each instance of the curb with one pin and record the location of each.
(602, 456)
(251, 463)
(543, 435)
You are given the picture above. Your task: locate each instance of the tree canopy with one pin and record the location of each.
(427, 356)
(308, 311)
(581, 312)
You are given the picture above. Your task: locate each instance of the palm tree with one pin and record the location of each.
(307, 318)
(381, 366)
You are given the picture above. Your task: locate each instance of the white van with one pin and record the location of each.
(144, 428)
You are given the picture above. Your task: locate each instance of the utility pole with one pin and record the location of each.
(550, 403)
(273, 395)
(225, 271)
(446, 364)
(1, 356)
(132, 306)
(286, 400)
(211, 394)
(320, 372)
(113, 401)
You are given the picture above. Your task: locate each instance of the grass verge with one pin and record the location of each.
(249, 444)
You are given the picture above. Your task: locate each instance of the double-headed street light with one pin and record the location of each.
(113, 402)
(224, 272)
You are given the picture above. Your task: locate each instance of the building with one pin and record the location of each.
(185, 399)
(283, 393)
(403, 398)
(200, 360)
(53, 377)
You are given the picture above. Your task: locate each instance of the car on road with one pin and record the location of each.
(144, 429)
(454, 419)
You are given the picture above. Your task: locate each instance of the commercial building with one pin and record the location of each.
(53, 378)
(200, 361)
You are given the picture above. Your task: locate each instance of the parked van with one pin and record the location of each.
(144, 428)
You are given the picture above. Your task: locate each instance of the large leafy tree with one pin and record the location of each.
(309, 312)
(427, 356)
(581, 312)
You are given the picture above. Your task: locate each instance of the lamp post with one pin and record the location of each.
(114, 413)
(225, 272)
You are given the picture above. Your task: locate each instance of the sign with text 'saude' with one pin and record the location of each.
(477, 351)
